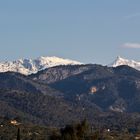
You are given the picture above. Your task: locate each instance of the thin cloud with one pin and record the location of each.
(131, 45)
(132, 16)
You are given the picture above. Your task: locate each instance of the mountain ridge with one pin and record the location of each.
(32, 66)
(123, 61)
(29, 66)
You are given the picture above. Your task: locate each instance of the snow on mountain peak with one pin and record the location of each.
(29, 66)
(122, 61)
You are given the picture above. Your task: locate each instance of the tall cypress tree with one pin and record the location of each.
(18, 134)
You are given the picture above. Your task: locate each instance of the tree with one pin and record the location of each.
(82, 129)
(68, 133)
(18, 134)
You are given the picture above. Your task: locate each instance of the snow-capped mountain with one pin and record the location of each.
(29, 66)
(121, 61)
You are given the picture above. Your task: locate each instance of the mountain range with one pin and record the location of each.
(30, 66)
(58, 95)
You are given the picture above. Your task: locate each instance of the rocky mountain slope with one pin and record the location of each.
(35, 102)
(115, 89)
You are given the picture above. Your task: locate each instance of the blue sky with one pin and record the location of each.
(90, 31)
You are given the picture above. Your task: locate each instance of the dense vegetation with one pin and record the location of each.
(75, 131)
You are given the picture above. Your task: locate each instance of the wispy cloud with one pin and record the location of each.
(131, 45)
(133, 16)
